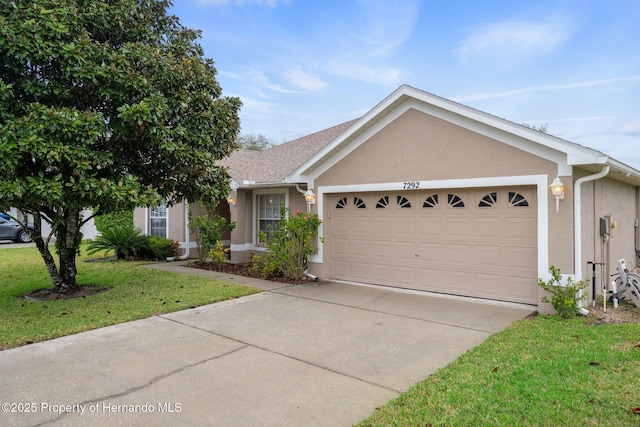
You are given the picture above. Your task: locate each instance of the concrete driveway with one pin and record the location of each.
(308, 355)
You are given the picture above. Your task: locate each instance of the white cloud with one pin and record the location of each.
(366, 73)
(257, 105)
(270, 3)
(544, 88)
(306, 81)
(259, 79)
(632, 128)
(514, 38)
(381, 26)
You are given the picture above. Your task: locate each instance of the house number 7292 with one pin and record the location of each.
(411, 185)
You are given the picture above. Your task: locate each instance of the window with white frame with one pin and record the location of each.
(158, 221)
(269, 213)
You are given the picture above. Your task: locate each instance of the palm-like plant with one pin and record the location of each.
(124, 241)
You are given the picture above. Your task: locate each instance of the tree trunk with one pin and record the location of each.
(43, 248)
(68, 239)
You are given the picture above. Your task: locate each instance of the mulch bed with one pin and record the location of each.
(241, 270)
(81, 292)
(625, 313)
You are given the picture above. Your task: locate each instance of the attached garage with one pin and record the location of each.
(474, 242)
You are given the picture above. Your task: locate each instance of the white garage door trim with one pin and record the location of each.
(540, 181)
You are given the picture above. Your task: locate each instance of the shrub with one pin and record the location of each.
(291, 244)
(565, 299)
(217, 254)
(210, 228)
(161, 248)
(124, 241)
(258, 268)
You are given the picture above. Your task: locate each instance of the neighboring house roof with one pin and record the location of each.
(304, 159)
(275, 164)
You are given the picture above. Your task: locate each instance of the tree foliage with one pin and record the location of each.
(209, 227)
(542, 128)
(106, 105)
(255, 142)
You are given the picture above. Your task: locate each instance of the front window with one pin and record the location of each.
(269, 213)
(158, 221)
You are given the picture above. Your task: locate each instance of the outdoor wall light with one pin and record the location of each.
(310, 198)
(231, 200)
(557, 189)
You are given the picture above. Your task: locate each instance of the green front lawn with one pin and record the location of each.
(134, 293)
(538, 372)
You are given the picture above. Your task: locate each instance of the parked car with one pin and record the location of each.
(11, 230)
(5, 216)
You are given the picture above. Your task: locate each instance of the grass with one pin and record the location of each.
(541, 371)
(134, 293)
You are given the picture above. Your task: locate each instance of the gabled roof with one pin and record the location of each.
(304, 159)
(275, 164)
(565, 153)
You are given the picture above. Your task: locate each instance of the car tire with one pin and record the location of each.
(23, 237)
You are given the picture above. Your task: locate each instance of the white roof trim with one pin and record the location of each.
(564, 153)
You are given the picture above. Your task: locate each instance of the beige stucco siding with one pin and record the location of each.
(617, 201)
(419, 147)
(138, 218)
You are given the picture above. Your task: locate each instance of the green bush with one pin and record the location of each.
(565, 299)
(209, 227)
(217, 254)
(257, 267)
(114, 219)
(125, 241)
(161, 248)
(291, 244)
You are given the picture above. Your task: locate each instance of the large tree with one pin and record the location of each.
(106, 105)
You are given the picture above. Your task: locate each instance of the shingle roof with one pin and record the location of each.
(275, 164)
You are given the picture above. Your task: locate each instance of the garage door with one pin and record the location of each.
(479, 242)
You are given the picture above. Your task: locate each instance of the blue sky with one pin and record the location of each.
(300, 66)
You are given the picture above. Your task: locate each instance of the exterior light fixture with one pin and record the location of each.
(231, 200)
(310, 198)
(557, 189)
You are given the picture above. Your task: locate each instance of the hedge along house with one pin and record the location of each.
(427, 194)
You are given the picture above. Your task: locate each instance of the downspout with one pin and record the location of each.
(577, 227)
(146, 221)
(187, 232)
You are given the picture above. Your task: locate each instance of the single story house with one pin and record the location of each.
(427, 194)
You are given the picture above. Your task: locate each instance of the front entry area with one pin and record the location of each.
(479, 242)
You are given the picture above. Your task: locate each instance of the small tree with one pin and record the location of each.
(565, 299)
(292, 243)
(209, 228)
(107, 105)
